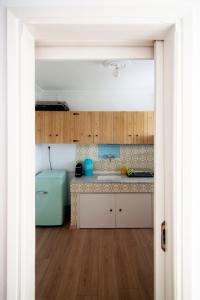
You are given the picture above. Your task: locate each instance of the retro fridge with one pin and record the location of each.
(51, 197)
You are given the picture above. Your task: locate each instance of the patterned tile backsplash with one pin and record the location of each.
(136, 156)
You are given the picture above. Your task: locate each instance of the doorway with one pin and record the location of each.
(98, 263)
(25, 232)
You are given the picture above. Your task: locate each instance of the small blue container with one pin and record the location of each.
(88, 167)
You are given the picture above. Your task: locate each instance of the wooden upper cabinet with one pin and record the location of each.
(94, 127)
(138, 127)
(103, 127)
(150, 127)
(49, 127)
(123, 128)
(91, 127)
(143, 127)
(66, 128)
(39, 127)
(53, 127)
(133, 127)
(81, 127)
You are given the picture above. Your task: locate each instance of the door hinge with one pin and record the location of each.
(163, 236)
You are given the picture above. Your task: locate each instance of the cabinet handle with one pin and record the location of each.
(56, 134)
(42, 192)
(75, 141)
(89, 135)
(96, 134)
(130, 135)
(137, 134)
(76, 114)
(50, 134)
(120, 209)
(111, 209)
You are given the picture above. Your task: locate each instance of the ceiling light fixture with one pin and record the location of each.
(116, 65)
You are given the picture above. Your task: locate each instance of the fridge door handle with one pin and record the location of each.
(42, 192)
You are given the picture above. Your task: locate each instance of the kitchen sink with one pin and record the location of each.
(108, 177)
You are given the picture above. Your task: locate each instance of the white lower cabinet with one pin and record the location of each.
(119, 210)
(96, 211)
(134, 210)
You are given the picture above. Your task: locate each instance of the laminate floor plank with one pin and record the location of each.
(80, 297)
(107, 287)
(126, 274)
(143, 258)
(129, 294)
(72, 267)
(48, 244)
(49, 284)
(94, 264)
(89, 276)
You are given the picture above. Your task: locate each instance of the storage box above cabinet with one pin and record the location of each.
(94, 127)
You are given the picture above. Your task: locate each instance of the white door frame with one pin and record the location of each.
(182, 287)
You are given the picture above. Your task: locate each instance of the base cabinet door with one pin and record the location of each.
(134, 210)
(96, 211)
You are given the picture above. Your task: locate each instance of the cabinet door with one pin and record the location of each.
(88, 136)
(39, 127)
(134, 210)
(81, 127)
(49, 127)
(123, 127)
(97, 211)
(76, 126)
(103, 127)
(150, 126)
(138, 127)
(53, 127)
(66, 128)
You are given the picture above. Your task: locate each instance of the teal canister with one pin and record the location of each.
(88, 167)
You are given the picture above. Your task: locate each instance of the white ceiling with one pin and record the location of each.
(93, 75)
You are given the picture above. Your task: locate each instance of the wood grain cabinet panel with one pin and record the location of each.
(138, 127)
(103, 127)
(66, 128)
(133, 127)
(81, 127)
(76, 127)
(53, 127)
(123, 128)
(94, 127)
(39, 127)
(150, 125)
(49, 127)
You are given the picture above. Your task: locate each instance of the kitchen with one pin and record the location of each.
(115, 138)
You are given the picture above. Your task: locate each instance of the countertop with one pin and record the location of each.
(121, 179)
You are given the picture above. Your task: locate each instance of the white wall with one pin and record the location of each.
(90, 85)
(62, 156)
(139, 100)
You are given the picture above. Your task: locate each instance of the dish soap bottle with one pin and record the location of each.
(123, 170)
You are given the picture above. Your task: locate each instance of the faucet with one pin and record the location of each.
(109, 156)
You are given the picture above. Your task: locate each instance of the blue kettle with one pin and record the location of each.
(88, 167)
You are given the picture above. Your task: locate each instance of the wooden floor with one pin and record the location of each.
(94, 264)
